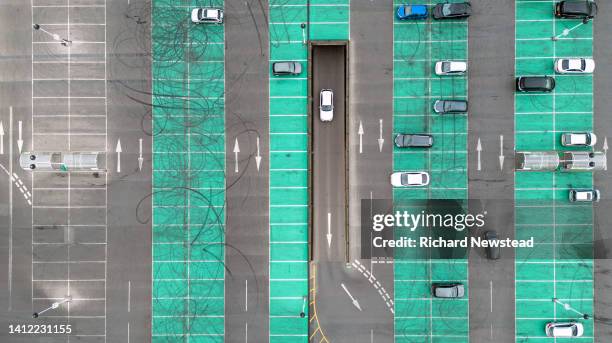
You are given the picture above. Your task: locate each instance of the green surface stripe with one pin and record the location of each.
(188, 177)
(561, 264)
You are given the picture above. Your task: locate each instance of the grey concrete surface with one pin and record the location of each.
(247, 224)
(491, 97)
(603, 180)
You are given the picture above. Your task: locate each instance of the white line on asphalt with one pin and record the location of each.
(246, 332)
(360, 133)
(10, 182)
(129, 296)
(246, 295)
(20, 138)
(118, 151)
(329, 234)
(355, 302)
(491, 294)
(479, 151)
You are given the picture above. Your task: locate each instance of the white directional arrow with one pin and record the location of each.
(258, 156)
(20, 139)
(381, 140)
(140, 159)
(355, 302)
(118, 151)
(479, 150)
(1, 138)
(360, 133)
(236, 151)
(501, 152)
(329, 234)
(605, 148)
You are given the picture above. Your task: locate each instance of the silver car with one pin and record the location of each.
(62, 162)
(447, 290)
(286, 68)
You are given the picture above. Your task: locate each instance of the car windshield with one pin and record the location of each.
(447, 9)
(446, 67)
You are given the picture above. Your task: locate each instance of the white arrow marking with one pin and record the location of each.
(118, 151)
(140, 159)
(501, 152)
(360, 133)
(329, 234)
(479, 150)
(258, 156)
(605, 148)
(355, 302)
(381, 140)
(1, 138)
(20, 139)
(236, 151)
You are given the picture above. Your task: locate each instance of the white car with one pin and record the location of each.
(584, 195)
(207, 15)
(409, 179)
(574, 65)
(569, 329)
(450, 68)
(578, 139)
(62, 162)
(326, 105)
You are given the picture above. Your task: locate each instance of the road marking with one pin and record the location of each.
(381, 140)
(1, 138)
(329, 234)
(140, 159)
(10, 181)
(479, 150)
(236, 151)
(246, 295)
(501, 152)
(355, 302)
(360, 133)
(491, 294)
(20, 138)
(129, 295)
(246, 332)
(605, 148)
(118, 151)
(258, 156)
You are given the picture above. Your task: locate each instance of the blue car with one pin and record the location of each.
(412, 12)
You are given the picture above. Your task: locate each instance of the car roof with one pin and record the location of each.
(536, 81)
(577, 7)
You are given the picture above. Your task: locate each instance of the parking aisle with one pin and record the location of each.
(418, 45)
(288, 177)
(561, 265)
(188, 176)
(69, 222)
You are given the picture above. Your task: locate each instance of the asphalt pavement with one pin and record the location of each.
(247, 198)
(491, 189)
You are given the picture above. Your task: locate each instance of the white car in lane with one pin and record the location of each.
(409, 179)
(578, 139)
(326, 105)
(207, 15)
(450, 67)
(574, 66)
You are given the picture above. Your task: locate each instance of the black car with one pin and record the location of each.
(581, 9)
(403, 140)
(493, 252)
(451, 11)
(450, 106)
(535, 84)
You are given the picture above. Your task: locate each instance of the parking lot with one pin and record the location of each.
(418, 45)
(69, 211)
(562, 265)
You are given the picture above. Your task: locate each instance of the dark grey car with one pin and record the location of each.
(493, 252)
(447, 290)
(286, 68)
(404, 140)
(450, 106)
